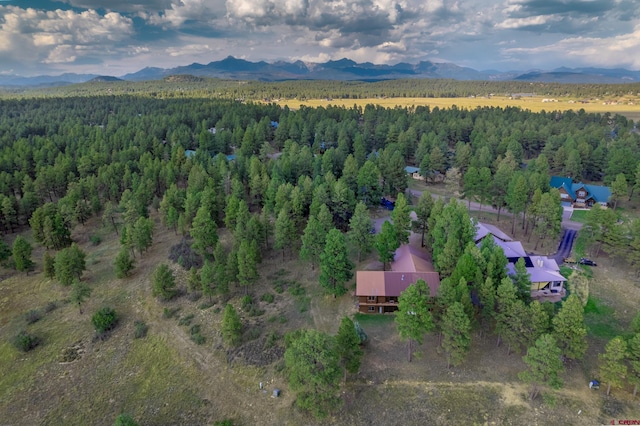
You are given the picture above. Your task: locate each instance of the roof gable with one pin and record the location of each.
(563, 182)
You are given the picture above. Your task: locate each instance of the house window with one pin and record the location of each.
(564, 196)
(371, 298)
(392, 300)
(581, 193)
(371, 309)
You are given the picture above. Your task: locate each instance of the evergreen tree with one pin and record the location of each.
(423, 210)
(204, 232)
(142, 234)
(247, 264)
(369, 186)
(285, 231)
(545, 365)
(208, 279)
(613, 369)
(313, 241)
(401, 217)
(313, 367)
(22, 254)
(386, 243)
(516, 198)
(360, 230)
(231, 326)
(220, 266)
(348, 347)
(487, 293)
(124, 263)
(569, 328)
(522, 280)
(69, 264)
(164, 282)
(539, 322)
(456, 329)
(633, 355)
(413, 318)
(79, 293)
(335, 267)
(511, 316)
(49, 265)
(619, 189)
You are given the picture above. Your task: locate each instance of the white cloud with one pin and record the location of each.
(620, 50)
(58, 36)
(515, 23)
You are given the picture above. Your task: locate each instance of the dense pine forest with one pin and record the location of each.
(191, 86)
(239, 183)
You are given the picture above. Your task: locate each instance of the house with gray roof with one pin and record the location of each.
(580, 195)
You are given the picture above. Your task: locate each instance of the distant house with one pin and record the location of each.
(580, 195)
(378, 291)
(543, 271)
(414, 172)
(189, 153)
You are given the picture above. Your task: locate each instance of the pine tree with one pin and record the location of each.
(456, 328)
(545, 365)
(613, 370)
(164, 282)
(633, 355)
(538, 323)
(487, 293)
(247, 264)
(285, 230)
(386, 243)
(569, 329)
(49, 266)
(22, 254)
(124, 263)
(413, 318)
(142, 234)
(220, 266)
(401, 217)
(208, 279)
(69, 264)
(423, 210)
(313, 367)
(204, 232)
(619, 189)
(516, 198)
(79, 293)
(348, 347)
(231, 326)
(313, 241)
(360, 230)
(522, 280)
(335, 267)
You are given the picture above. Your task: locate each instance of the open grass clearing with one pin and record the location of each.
(630, 108)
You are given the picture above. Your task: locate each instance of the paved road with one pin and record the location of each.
(565, 246)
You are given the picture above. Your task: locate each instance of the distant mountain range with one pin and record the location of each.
(343, 69)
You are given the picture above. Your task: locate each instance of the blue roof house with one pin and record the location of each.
(580, 195)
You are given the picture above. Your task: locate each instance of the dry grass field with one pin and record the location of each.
(166, 378)
(628, 107)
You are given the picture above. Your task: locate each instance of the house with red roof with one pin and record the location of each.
(378, 291)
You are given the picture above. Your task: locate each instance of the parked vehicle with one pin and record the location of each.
(589, 262)
(569, 260)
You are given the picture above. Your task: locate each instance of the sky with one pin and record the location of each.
(116, 37)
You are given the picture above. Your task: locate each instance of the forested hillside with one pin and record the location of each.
(243, 181)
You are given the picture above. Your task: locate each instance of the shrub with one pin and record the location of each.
(196, 336)
(104, 320)
(24, 341)
(296, 289)
(170, 312)
(253, 333)
(271, 339)
(32, 316)
(225, 422)
(206, 305)
(186, 320)
(255, 311)
(140, 329)
(246, 303)
(95, 240)
(125, 420)
(50, 307)
(184, 256)
(267, 297)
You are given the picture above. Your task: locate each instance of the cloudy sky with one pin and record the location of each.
(119, 36)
